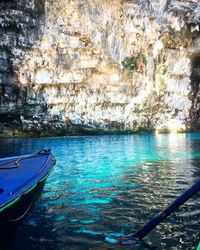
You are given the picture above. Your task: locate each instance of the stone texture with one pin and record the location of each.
(62, 70)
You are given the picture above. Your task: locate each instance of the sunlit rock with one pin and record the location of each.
(99, 66)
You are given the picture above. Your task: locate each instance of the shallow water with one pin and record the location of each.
(104, 185)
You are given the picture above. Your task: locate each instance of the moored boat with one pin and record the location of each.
(22, 179)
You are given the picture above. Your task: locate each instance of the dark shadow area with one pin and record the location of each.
(20, 28)
(195, 94)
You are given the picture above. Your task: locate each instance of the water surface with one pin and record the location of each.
(104, 185)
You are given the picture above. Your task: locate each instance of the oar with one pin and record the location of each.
(149, 226)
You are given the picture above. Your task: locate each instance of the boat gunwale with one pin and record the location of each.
(16, 199)
(43, 176)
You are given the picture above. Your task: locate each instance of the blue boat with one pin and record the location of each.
(22, 179)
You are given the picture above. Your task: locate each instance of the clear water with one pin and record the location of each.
(104, 185)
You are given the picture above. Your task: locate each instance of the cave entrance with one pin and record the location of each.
(195, 82)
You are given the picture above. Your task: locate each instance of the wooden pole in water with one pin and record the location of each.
(149, 226)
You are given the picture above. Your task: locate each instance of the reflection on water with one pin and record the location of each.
(104, 185)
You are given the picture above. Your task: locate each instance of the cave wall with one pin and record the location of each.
(70, 67)
(20, 27)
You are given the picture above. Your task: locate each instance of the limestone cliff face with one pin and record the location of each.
(70, 66)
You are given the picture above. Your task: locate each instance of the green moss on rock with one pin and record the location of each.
(135, 63)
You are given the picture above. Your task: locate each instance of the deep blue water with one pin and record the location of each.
(113, 184)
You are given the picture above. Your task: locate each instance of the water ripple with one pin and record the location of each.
(108, 186)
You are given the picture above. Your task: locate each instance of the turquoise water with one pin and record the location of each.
(111, 185)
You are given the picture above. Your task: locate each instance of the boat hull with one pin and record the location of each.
(12, 219)
(14, 213)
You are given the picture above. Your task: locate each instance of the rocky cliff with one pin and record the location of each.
(90, 66)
